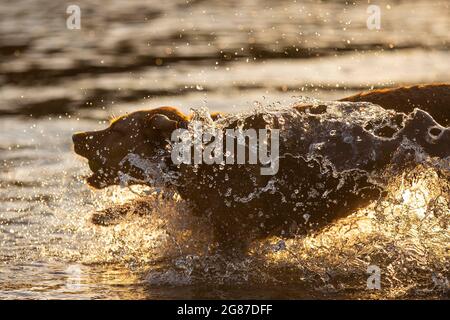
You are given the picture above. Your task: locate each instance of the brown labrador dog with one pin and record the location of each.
(321, 177)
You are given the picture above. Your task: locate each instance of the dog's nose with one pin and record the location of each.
(80, 143)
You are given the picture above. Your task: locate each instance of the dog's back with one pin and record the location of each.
(432, 98)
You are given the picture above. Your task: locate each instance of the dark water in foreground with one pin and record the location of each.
(135, 55)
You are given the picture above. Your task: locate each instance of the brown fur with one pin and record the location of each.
(432, 98)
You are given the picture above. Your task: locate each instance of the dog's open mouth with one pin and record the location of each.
(100, 177)
(94, 165)
(129, 173)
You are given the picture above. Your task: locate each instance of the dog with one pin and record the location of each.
(321, 178)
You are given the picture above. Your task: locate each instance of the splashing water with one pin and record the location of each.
(158, 244)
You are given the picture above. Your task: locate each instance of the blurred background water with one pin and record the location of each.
(130, 55)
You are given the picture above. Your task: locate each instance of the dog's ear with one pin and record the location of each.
(162, 125)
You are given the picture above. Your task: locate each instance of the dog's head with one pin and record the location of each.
(141, 133)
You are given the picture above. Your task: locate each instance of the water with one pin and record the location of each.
(219, 55)
(50, 249)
